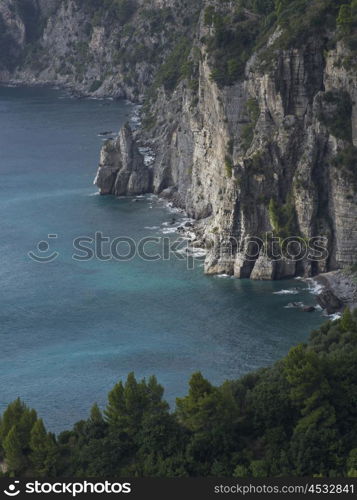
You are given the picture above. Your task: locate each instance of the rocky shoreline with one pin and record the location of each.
(123, 170)
(126, 175)
(338, 290)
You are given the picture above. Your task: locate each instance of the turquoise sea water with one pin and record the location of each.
(69, 330)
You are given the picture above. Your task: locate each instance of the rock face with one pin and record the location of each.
(122, 170)
(339, 290)
(256, 159)
(328, 300)
(294, 167)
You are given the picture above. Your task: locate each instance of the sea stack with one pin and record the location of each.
(122, 171)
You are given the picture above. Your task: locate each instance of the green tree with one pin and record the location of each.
(211, 415)
(43, 455)
(128, 403)
(347, 323)
(345, 19)
(96, 416)
(12, 415)
(15, 457)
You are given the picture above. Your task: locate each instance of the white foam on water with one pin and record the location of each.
(189, 236)
(335, 317)
(314, 287)
(169, 230)
(174, 210)
(193, 252)
(184, 250)
(198, 252)
(293, 291)
(152, 196)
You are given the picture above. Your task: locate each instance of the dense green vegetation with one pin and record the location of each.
(231, 43)
(283, 219)
(236, 34)
(181, 62)
(228, 163)
(336, 115)
(253, 112)
(347, 23)
(174, 67)
(298, 417)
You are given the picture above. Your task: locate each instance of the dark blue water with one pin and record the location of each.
(69, 330)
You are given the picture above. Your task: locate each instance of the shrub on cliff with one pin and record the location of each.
(174, 67)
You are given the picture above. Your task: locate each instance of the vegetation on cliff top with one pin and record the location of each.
(234, 35)
(234, 31)
(298, 418)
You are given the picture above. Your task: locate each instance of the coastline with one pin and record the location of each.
(338, 289)
(73, 90)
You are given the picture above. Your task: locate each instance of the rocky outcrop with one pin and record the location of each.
(122, 171)
(339, 290)
(328, 301)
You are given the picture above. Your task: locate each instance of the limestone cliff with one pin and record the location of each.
(270, 155)
(250, 110)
